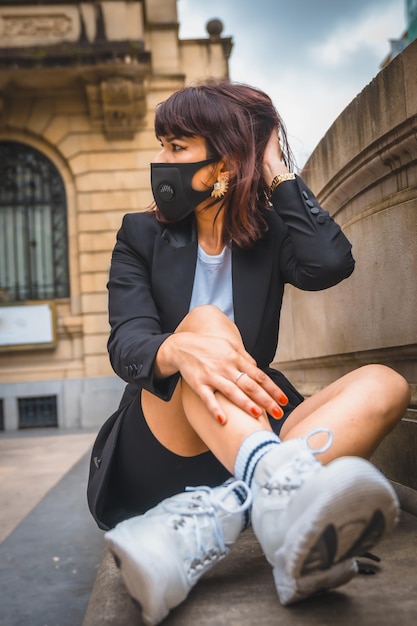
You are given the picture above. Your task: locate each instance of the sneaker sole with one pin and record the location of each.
(355, 513)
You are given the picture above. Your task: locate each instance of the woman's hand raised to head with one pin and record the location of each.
(211, 364)
(273, 163)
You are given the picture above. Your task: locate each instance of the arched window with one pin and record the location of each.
(33, 226)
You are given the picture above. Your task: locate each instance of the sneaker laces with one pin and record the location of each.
(206, 502)
(291, 475)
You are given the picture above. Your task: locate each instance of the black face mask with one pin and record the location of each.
(172, 189)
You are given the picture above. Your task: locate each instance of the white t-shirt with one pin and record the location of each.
(213, 281)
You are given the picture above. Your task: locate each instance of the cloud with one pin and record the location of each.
(370, 32)
(311, 57)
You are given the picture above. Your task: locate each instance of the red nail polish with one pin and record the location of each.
(255, 412)
(277, 413)
(221, 419)
(283, 400)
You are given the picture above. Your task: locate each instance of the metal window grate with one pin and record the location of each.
(1, 414)
(38, 412)
(33, 226)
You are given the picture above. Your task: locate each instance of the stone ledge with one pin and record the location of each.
(239, 591)
(407, 498)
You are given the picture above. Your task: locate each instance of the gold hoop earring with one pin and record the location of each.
(220, 187)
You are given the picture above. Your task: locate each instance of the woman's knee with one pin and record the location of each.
(208, 319)
(388, 387)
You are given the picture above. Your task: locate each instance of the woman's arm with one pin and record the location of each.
(315, 254)
(136, 333)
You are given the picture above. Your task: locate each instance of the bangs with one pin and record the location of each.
(186, 113)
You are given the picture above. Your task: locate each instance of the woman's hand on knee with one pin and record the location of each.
(212, 365)
(254, 392)
(248, 388)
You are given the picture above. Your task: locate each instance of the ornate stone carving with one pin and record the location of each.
(36, 26)
(117, 105)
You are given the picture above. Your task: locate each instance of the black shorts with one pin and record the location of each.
(144, 472)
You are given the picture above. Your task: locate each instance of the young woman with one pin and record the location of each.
(208, 436)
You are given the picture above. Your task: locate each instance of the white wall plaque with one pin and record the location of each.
(27, 326)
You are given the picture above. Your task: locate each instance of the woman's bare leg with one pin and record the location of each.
(184, 425)
(360, 409)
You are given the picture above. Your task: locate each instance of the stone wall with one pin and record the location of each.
(364, 171)
(79, 82)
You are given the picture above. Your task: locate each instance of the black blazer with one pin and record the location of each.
(152, 273)
(150, 286)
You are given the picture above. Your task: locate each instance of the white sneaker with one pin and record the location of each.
(312, 519)
(164, 552)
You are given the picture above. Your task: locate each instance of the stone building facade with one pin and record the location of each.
(79, 82)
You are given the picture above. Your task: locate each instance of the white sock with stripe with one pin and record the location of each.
(253, 448)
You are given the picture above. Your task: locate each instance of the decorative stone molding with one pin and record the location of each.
(117, 105)
(36, 26)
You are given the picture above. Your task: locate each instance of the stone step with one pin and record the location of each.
(240, 591)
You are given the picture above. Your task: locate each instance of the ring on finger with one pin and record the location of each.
(240, 374)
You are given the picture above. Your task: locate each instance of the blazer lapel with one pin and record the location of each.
(173, 271)
(251, 271)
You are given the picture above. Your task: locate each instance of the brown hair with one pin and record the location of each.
(236, 121)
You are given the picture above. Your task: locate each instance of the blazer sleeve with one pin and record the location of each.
(315, 253)
(136, 333)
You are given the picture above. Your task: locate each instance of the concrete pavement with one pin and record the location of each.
(51, 546)
(31, 463)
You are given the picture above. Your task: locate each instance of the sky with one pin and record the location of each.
(311, 56)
